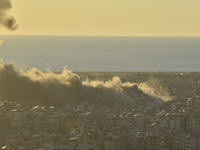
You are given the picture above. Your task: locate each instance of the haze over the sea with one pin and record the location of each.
(108, 54)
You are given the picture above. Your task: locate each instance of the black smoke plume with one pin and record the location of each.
(5, 19)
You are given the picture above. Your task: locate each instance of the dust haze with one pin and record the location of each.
(154, 88)
(58, 89)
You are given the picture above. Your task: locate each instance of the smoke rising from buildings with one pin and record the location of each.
(5, 19)
(154, 88)
(56, 89)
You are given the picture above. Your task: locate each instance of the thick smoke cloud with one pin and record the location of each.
(5, 19)
(60, 88)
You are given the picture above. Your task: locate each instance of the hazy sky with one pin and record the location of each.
(107, 17)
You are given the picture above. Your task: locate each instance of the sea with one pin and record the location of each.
(102, 54)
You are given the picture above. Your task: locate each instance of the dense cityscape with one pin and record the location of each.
(133, 81)
(173, 125)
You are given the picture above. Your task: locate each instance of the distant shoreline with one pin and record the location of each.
(136, 72)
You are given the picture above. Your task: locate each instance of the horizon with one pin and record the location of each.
(100, 75)
(90, 35)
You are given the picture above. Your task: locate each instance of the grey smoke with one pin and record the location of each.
(5, 19)
(57, 89)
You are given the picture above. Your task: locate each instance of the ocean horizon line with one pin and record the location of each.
(95, 35)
